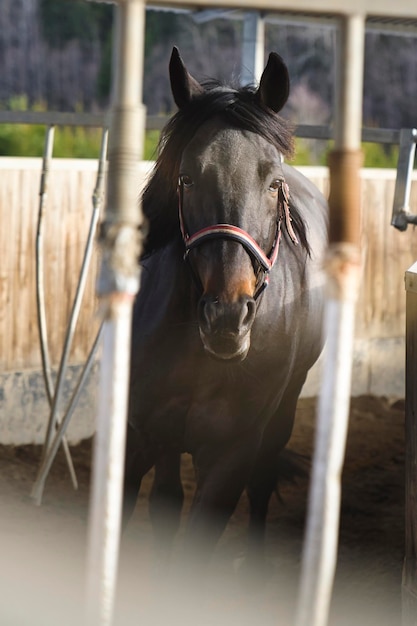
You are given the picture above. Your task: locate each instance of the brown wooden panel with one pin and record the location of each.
(68, 210)
(387, 253)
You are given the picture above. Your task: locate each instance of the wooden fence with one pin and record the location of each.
(66, 223)
(387, 253)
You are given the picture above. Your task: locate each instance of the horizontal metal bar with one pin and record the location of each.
(382, 11)
(57, 118)
(372, 135)
(381, 135)
(157, 122)
(52, 118)
(310, 131)
(391, 25)
(315, 8)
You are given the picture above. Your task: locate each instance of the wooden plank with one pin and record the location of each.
(386, 251)
(66, 226)
(381, 306)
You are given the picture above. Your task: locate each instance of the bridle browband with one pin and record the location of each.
(229, 231)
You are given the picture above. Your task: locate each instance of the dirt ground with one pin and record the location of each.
(43, 548)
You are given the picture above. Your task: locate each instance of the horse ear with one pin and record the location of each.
(183, 86)
(274, 86)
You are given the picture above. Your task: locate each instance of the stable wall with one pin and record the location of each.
(380, 319)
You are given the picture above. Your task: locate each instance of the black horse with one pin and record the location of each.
(218, 360)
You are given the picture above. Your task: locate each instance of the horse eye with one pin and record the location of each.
(186, 180)
(273, 187)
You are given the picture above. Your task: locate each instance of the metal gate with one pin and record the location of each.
(119, 282)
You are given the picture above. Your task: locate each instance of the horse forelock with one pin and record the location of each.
(236, 107)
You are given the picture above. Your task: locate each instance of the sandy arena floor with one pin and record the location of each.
(43, 548)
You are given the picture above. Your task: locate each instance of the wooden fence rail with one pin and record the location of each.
(381, 306)
(68, 213)
(380, 319)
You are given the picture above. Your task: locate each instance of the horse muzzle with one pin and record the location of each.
(225, 327)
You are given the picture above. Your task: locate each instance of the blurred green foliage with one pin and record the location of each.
(374, 154)
(28, 139)
(90, 23)
(151, 145)
(65, 20)
(76, 142)
(81, 142)
(378, 155)
(162, 26)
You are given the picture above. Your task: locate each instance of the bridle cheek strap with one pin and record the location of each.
(228, 231)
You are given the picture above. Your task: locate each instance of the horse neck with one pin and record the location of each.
(160, 208)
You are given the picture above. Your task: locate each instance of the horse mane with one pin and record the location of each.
(239, 109)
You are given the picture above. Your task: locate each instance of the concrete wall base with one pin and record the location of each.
(24, 410)
(378, 369)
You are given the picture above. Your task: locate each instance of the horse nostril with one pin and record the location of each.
(226, 318)
(207, 313)
(248, 312)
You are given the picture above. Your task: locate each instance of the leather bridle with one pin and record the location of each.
(266, 261)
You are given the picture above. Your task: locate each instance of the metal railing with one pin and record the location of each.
(405, 138)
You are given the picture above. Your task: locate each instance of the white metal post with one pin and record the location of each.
(253, 47)
(343, 269)
(117, 286)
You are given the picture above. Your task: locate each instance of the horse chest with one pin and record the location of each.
(218, 402)
(217, 418)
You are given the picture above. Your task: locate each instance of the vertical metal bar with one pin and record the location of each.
(405, 166)
(106, 491)
(40, 288)
(72, 322)
(98, 193)
(51, 445)
(45, 466)
(253, 47)
(342, 267)
(409, 581)
(117, 286)
(348, 122)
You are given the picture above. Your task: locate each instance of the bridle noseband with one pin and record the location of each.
(229, 231)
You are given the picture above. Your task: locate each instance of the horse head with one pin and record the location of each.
(231, 197)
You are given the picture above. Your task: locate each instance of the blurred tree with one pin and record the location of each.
(65, 20)
(390, 81)
(59, 52)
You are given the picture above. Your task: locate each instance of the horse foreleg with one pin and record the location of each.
(166, 500)
(259, 490)
(270, 464)
(221, 477)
